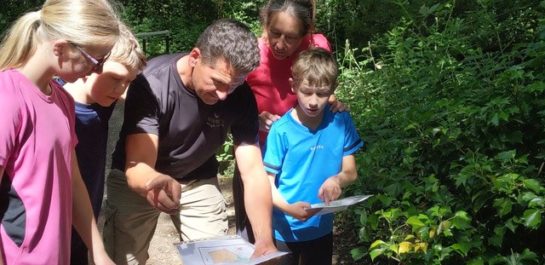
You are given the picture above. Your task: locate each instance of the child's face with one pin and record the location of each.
(77, 62)
(111, 84)
(312, 99)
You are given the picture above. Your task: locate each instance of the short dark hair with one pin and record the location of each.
(231, 40)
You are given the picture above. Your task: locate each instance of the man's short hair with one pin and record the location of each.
(231, 40)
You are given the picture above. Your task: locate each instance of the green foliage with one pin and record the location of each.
(12, 9)
(450, 102)
(184, 19)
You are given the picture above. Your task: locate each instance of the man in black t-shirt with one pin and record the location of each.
(177, 114)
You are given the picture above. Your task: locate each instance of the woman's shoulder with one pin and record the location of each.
(320, 40)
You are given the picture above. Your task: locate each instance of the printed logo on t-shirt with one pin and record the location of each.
(316, 147)
(214, 121)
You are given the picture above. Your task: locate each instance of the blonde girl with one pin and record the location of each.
(41, 191)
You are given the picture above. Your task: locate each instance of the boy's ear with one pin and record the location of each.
(290, 80)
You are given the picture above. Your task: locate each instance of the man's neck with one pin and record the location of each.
(185, 71)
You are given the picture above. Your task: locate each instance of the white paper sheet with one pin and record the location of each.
(227, 250)
(338, 205)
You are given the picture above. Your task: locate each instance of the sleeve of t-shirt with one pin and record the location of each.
(70, 108)
(141, 108)
(275, 150)
(10, 120)
(352, 140)
(245, 128)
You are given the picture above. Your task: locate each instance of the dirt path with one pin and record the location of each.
(162, 250)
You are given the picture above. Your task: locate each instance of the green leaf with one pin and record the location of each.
(461, 247)
(476, 261)
(357, 253)
(497, 238)
(503, 205)
(528, 196)
(415, 222)
(536, 87)
(537, 202)
(532, 184)
(528, 255)
(461, 220)
(375, 253)
(495, 119)
(532, 218)
(507, 155)
(377, 243)
(506, 183)
(512, 224)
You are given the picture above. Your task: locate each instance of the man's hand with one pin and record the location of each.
(263, 248)
(330, 190)
(163, 192)
(266, 120)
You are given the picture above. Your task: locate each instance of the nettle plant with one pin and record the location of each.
(454, 118)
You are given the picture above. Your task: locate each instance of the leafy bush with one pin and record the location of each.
(453, 113)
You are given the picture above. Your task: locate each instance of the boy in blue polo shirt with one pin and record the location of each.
(309, 158)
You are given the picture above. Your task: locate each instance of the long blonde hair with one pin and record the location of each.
(83, 22)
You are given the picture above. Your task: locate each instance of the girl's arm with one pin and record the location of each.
(83, 220)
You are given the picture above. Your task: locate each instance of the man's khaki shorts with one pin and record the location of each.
(130, 220)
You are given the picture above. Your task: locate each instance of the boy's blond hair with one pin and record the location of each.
(317, 67)
(127, 51)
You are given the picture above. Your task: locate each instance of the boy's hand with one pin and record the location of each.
(299, 211)
(266, 120)
(163, 193)
(330, 190)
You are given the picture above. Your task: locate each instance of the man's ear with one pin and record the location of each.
(194, 55)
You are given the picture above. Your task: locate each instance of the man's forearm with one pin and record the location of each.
(258, 204)
(139, 175)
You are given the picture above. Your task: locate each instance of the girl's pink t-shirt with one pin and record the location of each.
(270, 80)
(37, 138)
